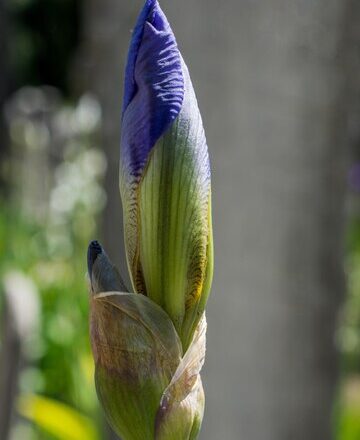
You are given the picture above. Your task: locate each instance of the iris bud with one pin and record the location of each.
(149, 344)
(165, 177)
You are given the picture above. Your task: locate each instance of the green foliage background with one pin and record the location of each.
(51, 248)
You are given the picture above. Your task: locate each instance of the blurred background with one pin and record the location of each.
(278, 83)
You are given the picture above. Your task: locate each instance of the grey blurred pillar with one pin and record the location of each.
(4, 91)
(271, 83)
(270, 79)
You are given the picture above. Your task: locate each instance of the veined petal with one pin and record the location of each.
(165, 177)
(154, 90)
(175, 236)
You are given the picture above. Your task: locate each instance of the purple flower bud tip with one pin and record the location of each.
(94, 250)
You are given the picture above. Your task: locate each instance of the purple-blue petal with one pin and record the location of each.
(130, 86)
(154, 86)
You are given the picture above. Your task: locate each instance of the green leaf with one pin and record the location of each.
(182, 405)
(137, 351)
(58, 419)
